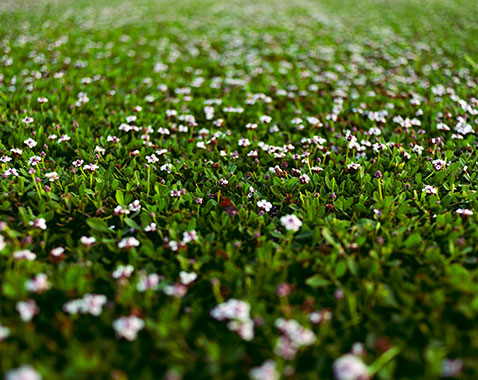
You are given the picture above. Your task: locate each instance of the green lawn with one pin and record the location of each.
(238, 190)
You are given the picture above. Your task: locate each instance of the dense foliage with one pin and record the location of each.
(231, 189)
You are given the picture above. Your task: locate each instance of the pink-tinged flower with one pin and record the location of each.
(4, 332)
(175, 193)
(9, 172)
(2, 242)
(119, 210)
(87, 240)
(198, 200)
(77, 163)
(39, 284)
(152, 159)
(429, 189)
(34, 160)
(350, 367)
(148, 282)
(39, 223)
(244, 142)
(53, 176)
(189, 236)
(16, 151)
(284, 289)
(24, 372)
(128, 242)
(320, 316)
(89, 304)
(291, 222)
(5, 159)
(91, 167)
(42, 100)
(58, 251)
(264, 205)
(438, 164)
(27, 310)
(464, 212)
(293, 337)
(24, 254)
(265, 119)
(451, 368)
(151, 227)
(30, 143)
(304, 178)
(187, 278)
(223, 182)
(237, 313)
(28, 120)
(175, 290)
(135, 206)
(99, 149)
(122, 271)
(64, 138)
(128, 327)
(267, 371)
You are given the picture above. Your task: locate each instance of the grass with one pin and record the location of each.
(232, 190)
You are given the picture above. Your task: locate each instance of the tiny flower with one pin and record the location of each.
(350, 367)
(264, 205)
(187, 278)
(24, 372)
(30, 143)
(27, 310)
(39, 223)
(135, 206)
(151, 227)
(267, 371)
(87, 240)
(429, 189)
(39, 284)
(4, 332)
(122, 271)
(53, 176)
(128, 242)
(58, 251)
(128, 327)
(291, 222)
(24, 254)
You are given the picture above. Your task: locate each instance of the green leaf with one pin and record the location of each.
(98, 224)
(317, 281)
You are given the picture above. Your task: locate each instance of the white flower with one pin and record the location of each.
(237, 313)
(128, 327)
(53, 176)
(464, 211)
(350, 367)
(429, 189)
(90, 303)
(57, 251)
(148, 282)
(87, 240)
(135, 206)
(4, 332)
(267, 371)
(30, 143)
(123, 271)
(264, 205)
(187, 278)
(24, 254)
(128, 242)
(39, 284)
(24, 372)
(27, 310)
(291, 222)
(39, 223)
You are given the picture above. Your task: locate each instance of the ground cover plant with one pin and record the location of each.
(232, 190)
